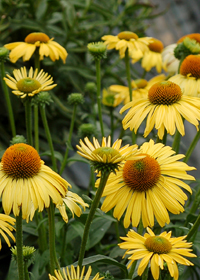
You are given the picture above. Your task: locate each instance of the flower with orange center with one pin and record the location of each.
(189, 77)
(140, 88)
(36, 41)
(157, 250)
(127, 40)
(6, 228)
(153, 57)
(26, 183)
(28, 84)
(165, 106)
(148, 187)
(75, 274)
(105, 156)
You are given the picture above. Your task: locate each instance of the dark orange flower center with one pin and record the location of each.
(34, 37)
(158, 244)
(191, 65)
(164, 93)
(127, 35)
(141, 83)
(28, 85)
(194, 36)
(156, 46)
(141, 175)
(106, 152)
(21, 161)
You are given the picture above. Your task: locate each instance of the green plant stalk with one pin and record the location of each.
(48, 135)
(131, 272)
(26, 273)
(69, 140)
(176, 142)
(94, 205)
(192, 146)
(128, 73)
(8, 102)
(36, 130)
(54, 264)
(19, 243)
(37, 59)
(111, 123)
(98, 77)
(28, 116)
(193, 229)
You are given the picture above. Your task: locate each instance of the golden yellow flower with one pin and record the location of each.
(29, 84)
(148, 187)
(165, 107)
(70, 200)
(34, 41)
(189, 77)
(153, 57)
(170, 63)
(140, 88)
(128, 40)
(6, 228)
(157, 250)
(111, 98)
(75, 274)
(26, 183)
(105, 156)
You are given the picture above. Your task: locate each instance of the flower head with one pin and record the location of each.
(34, 41)
(140, 88)
(148, 187)
(157, 250)
(4, 54)
(189, 77)
(70, 200)
(97, 50)
(153, 57)
(26, 183)
(164, 99)
(111, 98)
(170, 63)
(6, 228)
(75, 274)
(105, 156)
(128, 40)
(28, 84)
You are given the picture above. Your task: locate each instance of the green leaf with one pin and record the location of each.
(41, 9)
(104, 259)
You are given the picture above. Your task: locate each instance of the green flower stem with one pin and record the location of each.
(94, 205)
(48, 135)
(28, 115)
(69, 140)
(192, 146)
(37, 59)
(128, 73)
(8, 102)
(193, 229)
(176, 143)
(111, 123)
(36, 130)
(131, 272)
(54, 264)
(26, 273)
(145, 274)
(98, 77)
(19, 243)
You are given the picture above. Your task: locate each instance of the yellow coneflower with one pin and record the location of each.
(34, 41)
(128, 40)
(165, 107)
(153, 57)
(148, 187)
(28, 84)
(26, 183)
(157, 250)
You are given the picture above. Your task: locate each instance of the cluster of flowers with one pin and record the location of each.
(144, 183)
